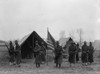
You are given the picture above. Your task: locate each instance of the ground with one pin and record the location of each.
(28, 67)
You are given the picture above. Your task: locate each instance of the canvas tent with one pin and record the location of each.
(28, 43)
(66, 45)
(2, 43)
(63, 41)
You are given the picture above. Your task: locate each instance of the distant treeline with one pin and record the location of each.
(2, 45)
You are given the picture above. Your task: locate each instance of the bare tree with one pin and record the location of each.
(71, 34)
(80, 32)
(62, 34)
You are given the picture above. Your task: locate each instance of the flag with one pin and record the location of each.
(50, 41)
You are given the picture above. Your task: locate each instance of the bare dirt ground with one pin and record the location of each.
(28, 67)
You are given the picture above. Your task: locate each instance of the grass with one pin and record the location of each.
(28, 66)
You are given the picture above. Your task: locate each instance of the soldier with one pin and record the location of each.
(43, 50)
(90, 53)
(58, 55)
(37, 52)
(72, 53)
(84, 56)
(18, 53)
(77, 52)
(11, 51)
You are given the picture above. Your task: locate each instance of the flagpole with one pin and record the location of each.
(47, 55)
(50, 44)
(47, 48)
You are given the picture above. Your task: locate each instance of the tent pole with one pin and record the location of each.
(47, 56)
(33, 47)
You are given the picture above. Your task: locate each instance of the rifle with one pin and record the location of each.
(7, 46)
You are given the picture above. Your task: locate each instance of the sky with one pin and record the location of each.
(20, 17)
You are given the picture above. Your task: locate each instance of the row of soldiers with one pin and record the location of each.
(86, 53)
(14, 53)
(73, 51)
(40, 54)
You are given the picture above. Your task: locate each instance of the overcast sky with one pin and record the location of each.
(20, 17)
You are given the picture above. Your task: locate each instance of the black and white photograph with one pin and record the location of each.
(49, 36)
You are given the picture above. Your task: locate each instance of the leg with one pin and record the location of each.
(70, 65)
(56, 64)
(38, 64)
(59, 65)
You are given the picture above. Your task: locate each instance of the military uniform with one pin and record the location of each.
(72, 53)
(36, 49)
(58, 56)
(43, 53)
(90, 54)
(37, 52)
(18, 54)
(11, 51)
(84, 55)
(77, 53)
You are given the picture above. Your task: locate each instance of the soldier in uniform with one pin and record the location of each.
(77, 52)
(58, 55)
(90, 53)
(11, 51)
(37, 51)
(18, 53)
(72, 53)
(43, 52)
(84, 55)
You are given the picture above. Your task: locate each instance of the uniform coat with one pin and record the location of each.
(43, 53)
(11, 51)
(77, 54)
(84, 56)
(37, 52)
(72, 54)
(18, 54)
(90, 54)
(58, 55)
